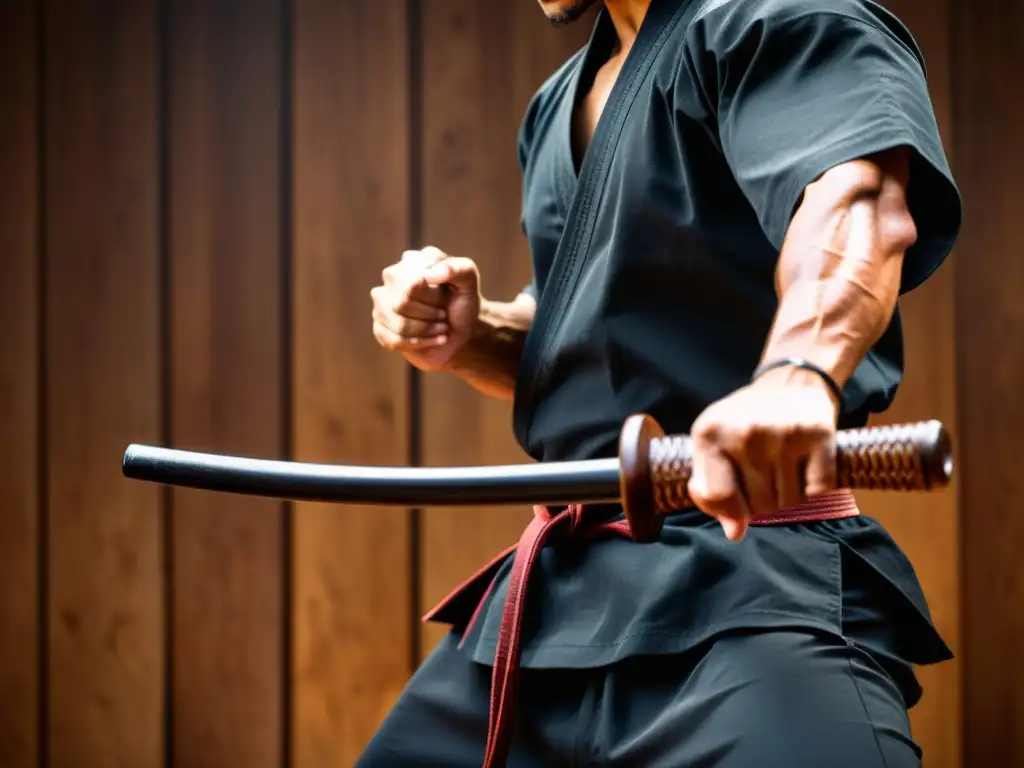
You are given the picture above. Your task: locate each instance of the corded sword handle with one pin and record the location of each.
(656, 468)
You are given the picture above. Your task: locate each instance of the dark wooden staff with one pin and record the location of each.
(649, 477)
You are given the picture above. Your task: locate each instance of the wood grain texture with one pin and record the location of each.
(990, 343)
(925, 525)
(19, 400)
(482, 63)
(227, 370)
(352, 582)
(103, 383)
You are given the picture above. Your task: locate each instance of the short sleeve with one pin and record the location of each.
(799, 91)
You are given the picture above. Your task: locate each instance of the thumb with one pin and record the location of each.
(734, 529)
(458, 272)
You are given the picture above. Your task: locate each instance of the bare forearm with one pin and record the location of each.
(490, 361)
(839, 271)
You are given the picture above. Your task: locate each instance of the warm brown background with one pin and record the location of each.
(196, 198)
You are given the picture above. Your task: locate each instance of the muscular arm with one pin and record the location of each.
(769, 445)
(839, 271)
(490, 361)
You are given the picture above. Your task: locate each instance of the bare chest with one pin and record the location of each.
(590, 109)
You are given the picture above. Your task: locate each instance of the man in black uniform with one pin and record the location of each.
(723, 200)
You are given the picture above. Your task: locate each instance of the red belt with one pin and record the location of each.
(570, 522)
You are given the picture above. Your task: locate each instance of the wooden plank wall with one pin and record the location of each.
(989, 126)
(104, 618)
(352, 611)
(197, 199)
(223, 186)
(20, 587)
(481, 64)
(926, 526)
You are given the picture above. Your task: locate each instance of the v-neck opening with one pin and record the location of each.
(598, 51)
(584, 201)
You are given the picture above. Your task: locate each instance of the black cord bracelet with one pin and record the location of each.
(796, 362)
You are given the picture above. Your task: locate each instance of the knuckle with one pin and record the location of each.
(711, 497)
(705, 430)
(807, 434)
(821, 432)
(400, 303)
(796, 430)
(719, 498)
(405, 292)
(405, 326)
(755, 437)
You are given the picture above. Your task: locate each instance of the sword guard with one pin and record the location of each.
(655, 468)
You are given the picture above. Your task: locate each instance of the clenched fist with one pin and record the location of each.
(427, 307)
(768, 446)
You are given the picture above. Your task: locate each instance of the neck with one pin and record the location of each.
(626, 16)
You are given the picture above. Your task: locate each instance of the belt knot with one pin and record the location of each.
(573, 514)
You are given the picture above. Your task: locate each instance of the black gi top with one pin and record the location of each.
(654, 272)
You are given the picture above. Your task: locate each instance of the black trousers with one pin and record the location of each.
(764, 699)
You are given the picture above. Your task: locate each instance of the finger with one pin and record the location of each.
(395, 343)
(755, 465)
(424, 256)
(715, 489)
(433, 296)
(790, 471)
(407, 327)
(820, 475)
(757, 484)
(402, 304)
(408, 285)
(410, 267)
(417, 310)
(460, 273)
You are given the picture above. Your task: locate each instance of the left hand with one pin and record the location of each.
(765, 447)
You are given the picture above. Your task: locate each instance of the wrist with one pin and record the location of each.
(464, 359)
(802, 373)
(487, 332)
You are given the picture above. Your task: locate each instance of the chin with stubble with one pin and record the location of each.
(560, 12)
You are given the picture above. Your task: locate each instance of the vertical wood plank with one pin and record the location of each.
(990, 345)
(225, 194)
(352, 583)
(925, 526)
(481, 64)
(103, 383)
(19, 401)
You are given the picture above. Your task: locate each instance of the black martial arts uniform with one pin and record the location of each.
(654, 264)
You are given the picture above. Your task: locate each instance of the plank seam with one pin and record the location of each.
(164, 181)
(42, 400)
(286, 180)
(414, 90)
